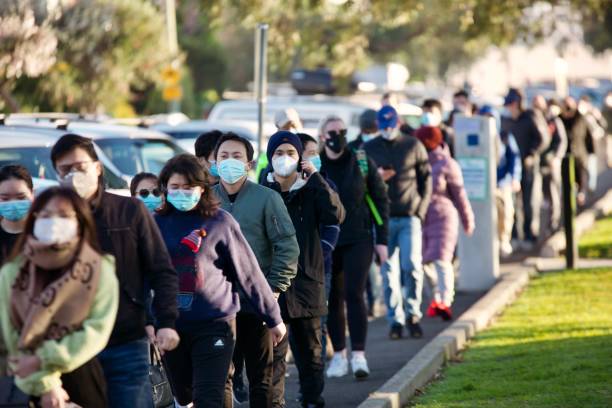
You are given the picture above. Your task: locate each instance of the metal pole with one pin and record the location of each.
(173, 106)
(261, 80)
(569, 211)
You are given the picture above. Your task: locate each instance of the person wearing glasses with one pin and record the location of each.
(127, 231)
(144, 187)
(363, 234)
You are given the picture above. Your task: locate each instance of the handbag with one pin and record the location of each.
(11, 396)
(162, 391)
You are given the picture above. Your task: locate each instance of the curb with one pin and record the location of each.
(419, 370)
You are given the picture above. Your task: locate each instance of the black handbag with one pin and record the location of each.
(11, 396)
(162, 392)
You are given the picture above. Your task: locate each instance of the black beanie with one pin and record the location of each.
(282, 137)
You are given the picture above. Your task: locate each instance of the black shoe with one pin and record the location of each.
(396, 331)
(414, 327)
(241, 393)
(319, 403)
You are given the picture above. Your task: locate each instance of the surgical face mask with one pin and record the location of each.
(389, 134)
(554, 110)
(151, 202)
(184, 200)
(85, 183)
(232, 170)
(316, 162)
(284, 166)
(430, 119)
(14, 210)
(55, 230)
(214, 170)
(366, 137)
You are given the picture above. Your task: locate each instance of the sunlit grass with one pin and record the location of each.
(551, 348)
(597, 242)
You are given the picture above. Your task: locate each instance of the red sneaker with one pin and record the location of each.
(432, 310)
(444, 312)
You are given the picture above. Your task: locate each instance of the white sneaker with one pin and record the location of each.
(359, 365)
(505, 249)
(338, 366)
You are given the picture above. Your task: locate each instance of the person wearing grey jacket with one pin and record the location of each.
(267, 227)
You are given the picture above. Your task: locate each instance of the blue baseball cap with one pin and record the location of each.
(387, 117)
(513, 95)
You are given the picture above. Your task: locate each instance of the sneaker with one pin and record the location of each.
(338, 366)
(445, 312)
(414, 327)
(319, 403)
(359, 365)
(505, 249)
(432, 310)
(241, 392)
(395, 333)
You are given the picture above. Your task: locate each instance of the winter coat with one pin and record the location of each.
(530, 131)
(441, 226)
(579, 136)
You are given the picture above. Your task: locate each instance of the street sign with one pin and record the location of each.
(172, 93)
(170, 75)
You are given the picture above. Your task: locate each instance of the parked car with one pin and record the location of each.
(410, 114)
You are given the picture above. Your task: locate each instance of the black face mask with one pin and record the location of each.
(336, 141)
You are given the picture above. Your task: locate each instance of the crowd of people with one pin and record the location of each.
(223, 275)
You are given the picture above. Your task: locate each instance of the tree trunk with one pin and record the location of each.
(8, 98)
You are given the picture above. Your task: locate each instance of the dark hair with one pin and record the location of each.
(188, 166)
(138, 178)
(432, 103)
(87, 226)
(70, 142)
(461, 93)
(306, 138)
(205, 143)
(553, 102)
(17, 172)
(250, 152)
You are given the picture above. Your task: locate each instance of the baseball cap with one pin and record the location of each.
(387, 117)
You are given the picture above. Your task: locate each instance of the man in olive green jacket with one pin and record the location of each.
(267, 227)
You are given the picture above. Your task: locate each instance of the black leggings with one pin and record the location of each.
(351, 264)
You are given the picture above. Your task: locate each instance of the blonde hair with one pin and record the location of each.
(327, 120)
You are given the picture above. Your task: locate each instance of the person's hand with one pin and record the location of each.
(470, 229)
(166, 340)
(386, 174)
(25, 365)
(308, 167)
(382, 253)
(278, 332)
(150, 333)
(516, 186)
(56, 398)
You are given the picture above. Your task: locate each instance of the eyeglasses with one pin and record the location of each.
(144, 193)
(64, 169)
(336, 133)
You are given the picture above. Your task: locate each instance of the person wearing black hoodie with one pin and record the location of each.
(364, 196)
(311, 203)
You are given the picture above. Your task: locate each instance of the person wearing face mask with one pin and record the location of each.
(16, 194)
(364, 197)
(58, 302)
(266, 226)
(368, 129)
(403, 164)
(310, 203)
(144, 186)
(214, 263)
(127, 231)
(205, 152)
(432, 116)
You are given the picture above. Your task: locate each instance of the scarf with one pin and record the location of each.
(49, 311)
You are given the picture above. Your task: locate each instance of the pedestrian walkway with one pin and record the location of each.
(385, 358)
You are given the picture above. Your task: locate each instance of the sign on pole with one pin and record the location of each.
(261, 79)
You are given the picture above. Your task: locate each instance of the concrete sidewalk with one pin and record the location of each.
(385, 358)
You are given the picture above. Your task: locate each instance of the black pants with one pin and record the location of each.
(198, 368)
(305, 340)
(351, 266)
(254, 347)
(531, 200)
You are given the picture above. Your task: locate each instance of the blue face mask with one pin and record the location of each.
(232, 170)
(14, 210)
(366, 137)
(151, 202)
(316, 161)
(214, 171)
(183, 200)
(430, 119)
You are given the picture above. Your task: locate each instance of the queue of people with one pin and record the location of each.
(223, 275)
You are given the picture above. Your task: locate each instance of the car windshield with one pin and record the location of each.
(189, 134)
(132, 156)
(36, 159)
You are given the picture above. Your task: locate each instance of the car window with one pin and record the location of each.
(36, 159)
(184, 134)
(132, 156)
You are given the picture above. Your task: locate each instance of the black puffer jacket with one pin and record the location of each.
(530, 132)
(410, 189)
(310, 205)
(127, 231)
(359, 222)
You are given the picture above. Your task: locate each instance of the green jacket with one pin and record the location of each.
(74, 349)
(267, 227)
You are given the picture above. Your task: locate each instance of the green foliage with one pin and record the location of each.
(597, 242)
(551, 348)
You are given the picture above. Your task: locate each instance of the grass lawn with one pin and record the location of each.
(551, 348)
(597, 242)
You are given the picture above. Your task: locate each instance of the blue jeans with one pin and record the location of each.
(405, 234)
(126, 368)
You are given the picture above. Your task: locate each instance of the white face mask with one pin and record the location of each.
(284, 166)
(55, 230)
(430, 119)
(85, 183)
(389, 134)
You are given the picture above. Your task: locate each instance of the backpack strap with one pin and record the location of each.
(364, 168)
